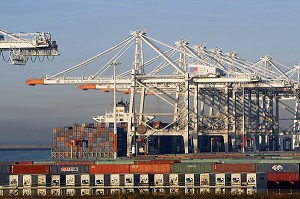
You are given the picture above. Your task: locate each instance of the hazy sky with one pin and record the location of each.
(83, 28)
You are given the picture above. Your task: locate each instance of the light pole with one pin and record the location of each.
(115, 63)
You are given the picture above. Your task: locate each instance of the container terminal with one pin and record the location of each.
(198, 120)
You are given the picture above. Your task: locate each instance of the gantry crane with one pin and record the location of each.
(22, 46)
(205, 92)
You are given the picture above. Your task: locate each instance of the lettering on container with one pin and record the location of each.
(69, 169)
(277, 167)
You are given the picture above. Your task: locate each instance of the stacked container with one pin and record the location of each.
(93, 140)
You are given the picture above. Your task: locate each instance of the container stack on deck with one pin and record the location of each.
(93, 140)
(157, 175)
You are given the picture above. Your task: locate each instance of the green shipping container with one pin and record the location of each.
(192, 167)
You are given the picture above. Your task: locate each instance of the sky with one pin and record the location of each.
(83, 28)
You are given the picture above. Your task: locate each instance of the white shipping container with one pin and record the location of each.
(13, 180)
(204, 190)
(129, 179)
(207, 179)
(55, 180)
(27, 181)
(144, 179)
(70, 180)
(158, 190)
(146, 191)
(223, 179)
(41, 192)
(115, 179)
(41, 180)
(85, 179)
(238, 179)
(85, 192)
(174, 190)
(192, 179)
(26, 192)
(236, 191)
(129, 190)
(220, 190)
(55, 192)
(204, 71)
(13, 192)
(1, 190)
(99, 192)
(176, 179)
(115, 191)
(257, 179)
(189, 190)
(99, 180)
(70, 192)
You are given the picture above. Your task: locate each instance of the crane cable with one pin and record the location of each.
(1, 52)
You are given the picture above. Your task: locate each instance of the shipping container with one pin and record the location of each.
(205, 190)
(192, 179)
(150, 168)
(234, 168)
(70, 192)
(15, 180)
(55, 192)
(109, 168)
(4, 180)
(29, 169)
(146, 179)
(191, 167)
(100, 180)
(283, 176)
(5, 169)
(84, 179)
(238, 179)
(85, 192)
(161, 179)
(69, 169)
(41, 192)
(269, 167)
(99, 192)
(223, 179)
(70, 180)
(207, 179)
(26, 192)
(176, 179)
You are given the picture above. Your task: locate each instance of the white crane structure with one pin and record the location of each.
(199, 92)
(22, 46)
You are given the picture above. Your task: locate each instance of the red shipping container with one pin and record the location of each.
(283, 176)
(235, 168)
(109, 168)
(30, 169)
(150, 168)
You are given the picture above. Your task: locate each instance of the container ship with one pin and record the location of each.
(82, 164)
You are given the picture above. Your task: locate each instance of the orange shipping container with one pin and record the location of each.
(109, 168)
(235, 168)
(283, 176)
(150, 168)
(75, 163)
(29, 169)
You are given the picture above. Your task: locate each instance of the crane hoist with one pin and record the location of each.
(22, 46)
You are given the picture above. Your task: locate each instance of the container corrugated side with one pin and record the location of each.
(114, 162)
(192, 167)
(277, 167)
(283, 176)
(69, 169)
(74, 162)
(29, 169)
(235, 168)
(109, 168)
(150, 168)
(156, 161)
(4, 180)
(4, 169)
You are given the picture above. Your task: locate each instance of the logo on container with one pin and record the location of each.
(277, 167)
(69, 169)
